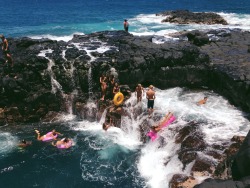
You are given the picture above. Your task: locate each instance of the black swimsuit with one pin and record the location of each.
(151, 104)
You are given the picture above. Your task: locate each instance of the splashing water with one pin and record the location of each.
(158, 161)
(54, 83)
(117, 157)
(93, 45)
(7, 144)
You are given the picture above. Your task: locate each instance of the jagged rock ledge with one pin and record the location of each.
(187, 17)
(48, 75)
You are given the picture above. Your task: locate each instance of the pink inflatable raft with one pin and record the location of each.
(65, 145)
(49, 136)
(153, 135)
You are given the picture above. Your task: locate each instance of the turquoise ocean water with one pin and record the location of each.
(53, 18)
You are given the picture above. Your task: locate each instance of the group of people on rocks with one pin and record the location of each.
(63, 143)
(110, 84)
(150, 95)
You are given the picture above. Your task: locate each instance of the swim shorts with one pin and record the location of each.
(151, 104)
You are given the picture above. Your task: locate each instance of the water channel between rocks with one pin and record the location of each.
(118, 158)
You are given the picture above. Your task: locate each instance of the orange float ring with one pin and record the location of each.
(118, 98)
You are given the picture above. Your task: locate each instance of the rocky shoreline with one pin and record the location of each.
(49, 76)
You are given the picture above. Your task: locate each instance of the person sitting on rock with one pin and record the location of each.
(203, 101)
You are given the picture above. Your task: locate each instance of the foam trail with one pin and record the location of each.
(7, 144)
(109, 150)
(65, 38)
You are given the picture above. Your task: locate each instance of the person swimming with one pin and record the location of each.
(24, 143)
(49, 136)
(63, 143)
(203, 101)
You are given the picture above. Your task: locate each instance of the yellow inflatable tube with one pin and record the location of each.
(118, 98)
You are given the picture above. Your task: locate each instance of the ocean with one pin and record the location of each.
(117, 157)
(61, 19)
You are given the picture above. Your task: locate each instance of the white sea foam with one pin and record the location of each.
(113, 134)
(65, 38)
(44, 52)
(237, 20)
(150, 24)
(147, 19)
(7, 144)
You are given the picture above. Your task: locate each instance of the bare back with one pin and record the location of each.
(150, 94)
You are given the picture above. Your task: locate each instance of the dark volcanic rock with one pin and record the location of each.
(191, 139)
(210, 183)
(186, 17)
(241, 163)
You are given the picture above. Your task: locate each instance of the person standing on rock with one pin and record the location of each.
(151, 97)
(103, 82)
(111, 85)
(139, 92)
(116, 89)
(126, 25)
(6, 50)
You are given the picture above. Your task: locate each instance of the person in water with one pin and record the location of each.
(63, 143)
(116, 89)
(203, 101)
(151, 97)
(107, 124)
(126, 25)
(165, 119)
(52, 134)
(139, 90)
(6, 50)
(103, 82)
(24, 143)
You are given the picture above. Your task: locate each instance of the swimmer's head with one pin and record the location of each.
(151, 87)
(54, 132)
(139, 85)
